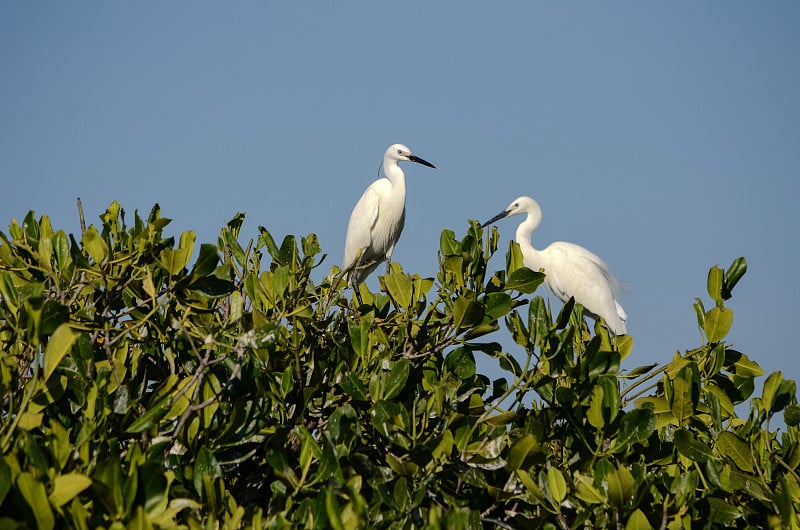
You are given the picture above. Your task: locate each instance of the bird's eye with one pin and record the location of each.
(399, 151)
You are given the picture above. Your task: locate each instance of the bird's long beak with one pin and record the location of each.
(419, 160)
(497, 217)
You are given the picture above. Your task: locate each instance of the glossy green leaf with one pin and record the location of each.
(717, 323)
(35, 496)
(174, 260)
(399, 287)
(206, 261)
(524, 280)
(396, 380)
(205, 466)
(514, 258)
(461, 362)
(58, 346)
(771, 386)
(731, 446)
(721, 511)
(620, 483)
(690, 447)
(637, 521)
(732, 276)
(714, 284)
(95, 245)
(448, 244)
(67, 487)
(556, 485)
(685, 392)
(791, 415)
(466, 312)
(150, 418)
(636, 426)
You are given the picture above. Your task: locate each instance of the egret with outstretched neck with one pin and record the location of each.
(570, 270)
(377, 219)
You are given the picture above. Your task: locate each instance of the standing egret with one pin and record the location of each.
(377, 219)
(570, 270)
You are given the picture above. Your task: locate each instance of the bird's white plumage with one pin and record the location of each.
(570, 270)
(378, 217)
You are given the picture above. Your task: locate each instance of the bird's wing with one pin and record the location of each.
(362, 220)
(575, 271)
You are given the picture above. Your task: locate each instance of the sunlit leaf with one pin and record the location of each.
(730, 446)
(718, 322)
(396, 380)
(57, 348)
(556, 484)
(524, 280)
(466, 312)
(67, 487)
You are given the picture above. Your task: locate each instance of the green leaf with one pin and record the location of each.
(718, 322)
(353, 387)
(396, 380)
(721, 511)
(53, 315)
(514, 258)
(461, 362)
(732, 447)
(150, 418)
(448, 244)
(685, 395)
(58, 346)
(524, 280)
(714, 284)
(771, 386)
(5, 479)
(791, 415)
(620, 486)
(174, 260)
(688, 446)
(733, 275)
(741, 365)
(205, 466)
(497, 305)
(635, 426)
(520, 450)
(638, 521)
(556, 485)
(466, 312)
(67, 487)
(35, 496)
(400, 287)
(94, 245)
(595, 411)
(206, 261)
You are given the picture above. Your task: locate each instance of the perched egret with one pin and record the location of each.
(570, 270)
(377, 219)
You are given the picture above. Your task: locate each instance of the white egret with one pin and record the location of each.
(570, 270)
(378, 218)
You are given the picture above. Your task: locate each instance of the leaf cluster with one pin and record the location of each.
(140, 390)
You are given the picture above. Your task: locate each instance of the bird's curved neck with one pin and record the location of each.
(524, 231)
(393, 172)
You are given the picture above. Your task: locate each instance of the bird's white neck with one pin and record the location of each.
(524, 231)
(395, 175)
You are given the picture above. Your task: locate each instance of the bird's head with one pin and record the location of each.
(522, 204)
(399, 152)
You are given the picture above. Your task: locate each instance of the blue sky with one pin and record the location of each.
(665, 137)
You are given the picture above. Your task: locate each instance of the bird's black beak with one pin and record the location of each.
(497, 217)
(419, 160)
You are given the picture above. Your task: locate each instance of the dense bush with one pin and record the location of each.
(139, 390)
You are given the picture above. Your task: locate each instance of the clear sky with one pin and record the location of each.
(663, 136)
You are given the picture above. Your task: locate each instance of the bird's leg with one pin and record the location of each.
(352, 279)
